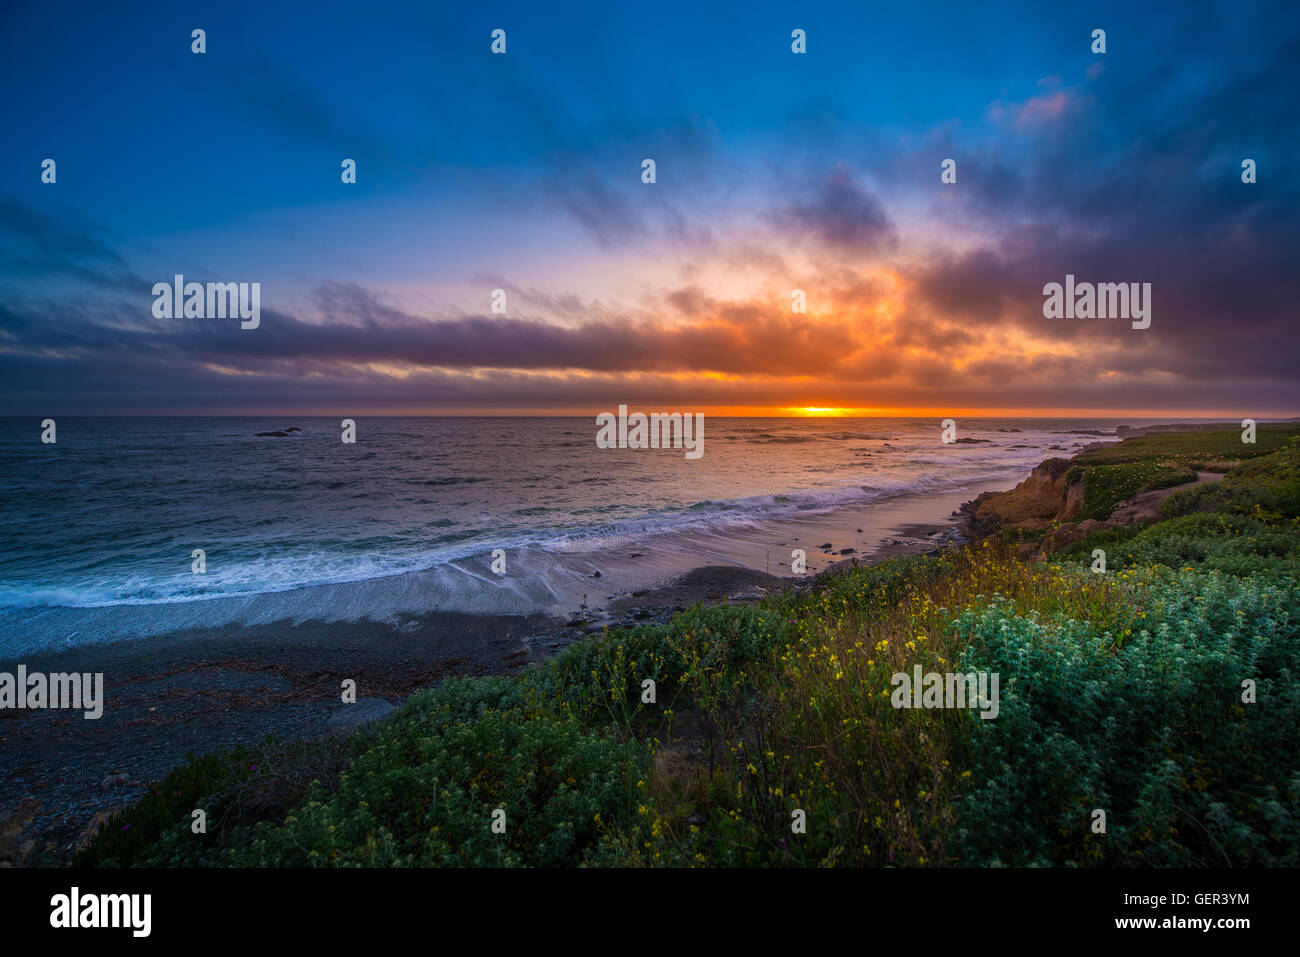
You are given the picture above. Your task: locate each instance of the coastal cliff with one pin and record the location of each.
(1114, 484)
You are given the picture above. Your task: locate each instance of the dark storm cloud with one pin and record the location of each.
(355, 328)
(1120, 189)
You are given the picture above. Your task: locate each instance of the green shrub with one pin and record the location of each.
(1153, 732)
(1267, 488)
(1235, 544)
(424, 791)
(235, 789)
(130, 837)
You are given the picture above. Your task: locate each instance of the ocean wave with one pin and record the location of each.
(274, 569)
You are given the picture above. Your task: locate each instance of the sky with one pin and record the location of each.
(775, 171)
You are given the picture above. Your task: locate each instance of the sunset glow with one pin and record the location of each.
(772, 268)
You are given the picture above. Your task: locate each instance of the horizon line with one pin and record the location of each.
(714, 412)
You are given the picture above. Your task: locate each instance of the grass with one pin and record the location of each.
(1195, 449)
(1104, 486)
(1163, 693)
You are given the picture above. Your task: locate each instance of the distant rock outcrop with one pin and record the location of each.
(1128, 432)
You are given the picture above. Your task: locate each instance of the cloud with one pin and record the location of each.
(1035, 111)
(606, 212)
(919, 293)
(842, 214)
(272, 93)
(61, 244)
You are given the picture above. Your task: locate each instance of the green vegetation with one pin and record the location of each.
(1112, 473)
(1121, 692)
(1267, 488)
(1195, 449)
(1106, 485)
(236, 789)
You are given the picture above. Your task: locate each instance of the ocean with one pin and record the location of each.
(407, 518)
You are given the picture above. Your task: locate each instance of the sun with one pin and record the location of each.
(819, 410)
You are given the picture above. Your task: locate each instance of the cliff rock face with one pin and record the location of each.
(1046, 502)
(1041, 499)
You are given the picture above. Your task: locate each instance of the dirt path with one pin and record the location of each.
(1146, 505)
